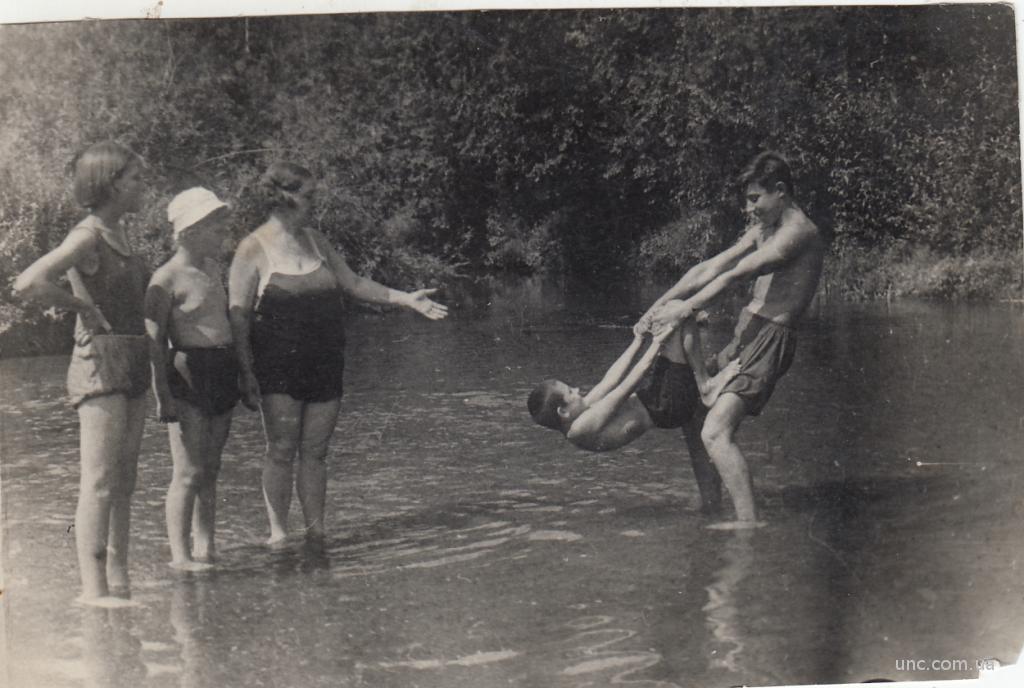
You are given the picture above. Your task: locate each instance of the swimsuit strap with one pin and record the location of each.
(273, 263)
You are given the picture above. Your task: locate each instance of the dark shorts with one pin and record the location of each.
(207, 378)
(670, 394)
(765, 351)
(108, 364)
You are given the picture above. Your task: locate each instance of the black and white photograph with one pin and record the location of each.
(536, 347)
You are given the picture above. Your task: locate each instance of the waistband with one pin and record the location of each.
(190, 349)
(762, 321)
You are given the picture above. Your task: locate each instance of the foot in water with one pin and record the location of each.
(191, 565)
(108, 602)
(710, 390)
(277, 541)
(736, 525)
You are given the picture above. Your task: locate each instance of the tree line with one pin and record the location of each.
(584, 142)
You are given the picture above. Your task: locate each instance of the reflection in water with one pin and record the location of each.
(593, 651)
(111, 652)
(191, 625)
(723, 612)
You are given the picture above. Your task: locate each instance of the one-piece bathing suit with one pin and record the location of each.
(114, 362)
(298, 331)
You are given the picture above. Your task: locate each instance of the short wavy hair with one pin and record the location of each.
(96, 170)
(768, 169)
(543, 404)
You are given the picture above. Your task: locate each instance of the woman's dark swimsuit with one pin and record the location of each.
(298, 333)
(205, 377)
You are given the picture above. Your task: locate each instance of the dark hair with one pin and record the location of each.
(283, 183)
(96, 170)
(543, 404)
(768, 169)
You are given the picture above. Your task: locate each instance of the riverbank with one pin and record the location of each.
(852, 274)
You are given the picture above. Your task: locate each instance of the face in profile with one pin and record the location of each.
(763, 205)
(209, 236)
(131, 186)
(572, 401)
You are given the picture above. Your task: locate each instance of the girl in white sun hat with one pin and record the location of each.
(195, 380)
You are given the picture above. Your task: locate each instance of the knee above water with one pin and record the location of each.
(281, 451)
(715, 434)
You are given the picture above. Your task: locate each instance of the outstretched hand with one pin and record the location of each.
(420, 302)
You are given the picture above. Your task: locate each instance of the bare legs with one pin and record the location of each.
(719, 436)
(302, 429)
(197, 441)
(712, 439)
(110, 435)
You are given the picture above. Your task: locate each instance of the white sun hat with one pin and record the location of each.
(191, 206)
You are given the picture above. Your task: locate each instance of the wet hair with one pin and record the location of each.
(96, 170)
(768, 169)
(283, 183)
(543, 404)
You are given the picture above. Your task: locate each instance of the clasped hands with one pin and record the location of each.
(661, 319)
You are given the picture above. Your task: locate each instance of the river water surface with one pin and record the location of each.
(469, 548)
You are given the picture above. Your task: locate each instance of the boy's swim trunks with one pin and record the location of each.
(670, 395)
(104, 364)
(765, 350)
(207, 378)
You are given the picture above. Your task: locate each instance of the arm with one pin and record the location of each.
(615, 372)
(38, 283)
(158, 311)
(243, 280)
(787, 243)
(594, 419)
(365, 289)
(703, 273)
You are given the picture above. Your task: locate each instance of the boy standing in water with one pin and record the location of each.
(196, 381)
(784, 251)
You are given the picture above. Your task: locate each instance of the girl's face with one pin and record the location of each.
(131, 186)
(210, 237)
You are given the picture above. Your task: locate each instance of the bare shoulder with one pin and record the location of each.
(796, 223)
(165, 275)
(250, 251)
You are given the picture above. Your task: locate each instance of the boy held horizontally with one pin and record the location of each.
(196, 380)
(616, 412)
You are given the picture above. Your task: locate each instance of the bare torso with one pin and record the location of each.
(784, 294)
(199, 314)
(629, 422)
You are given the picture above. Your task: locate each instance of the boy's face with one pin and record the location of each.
(764, 205)
(572, 401)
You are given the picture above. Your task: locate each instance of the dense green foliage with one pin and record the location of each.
(578, 141)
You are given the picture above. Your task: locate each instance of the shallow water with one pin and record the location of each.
(469, 548)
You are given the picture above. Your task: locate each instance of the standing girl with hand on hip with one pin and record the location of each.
(109, 371)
